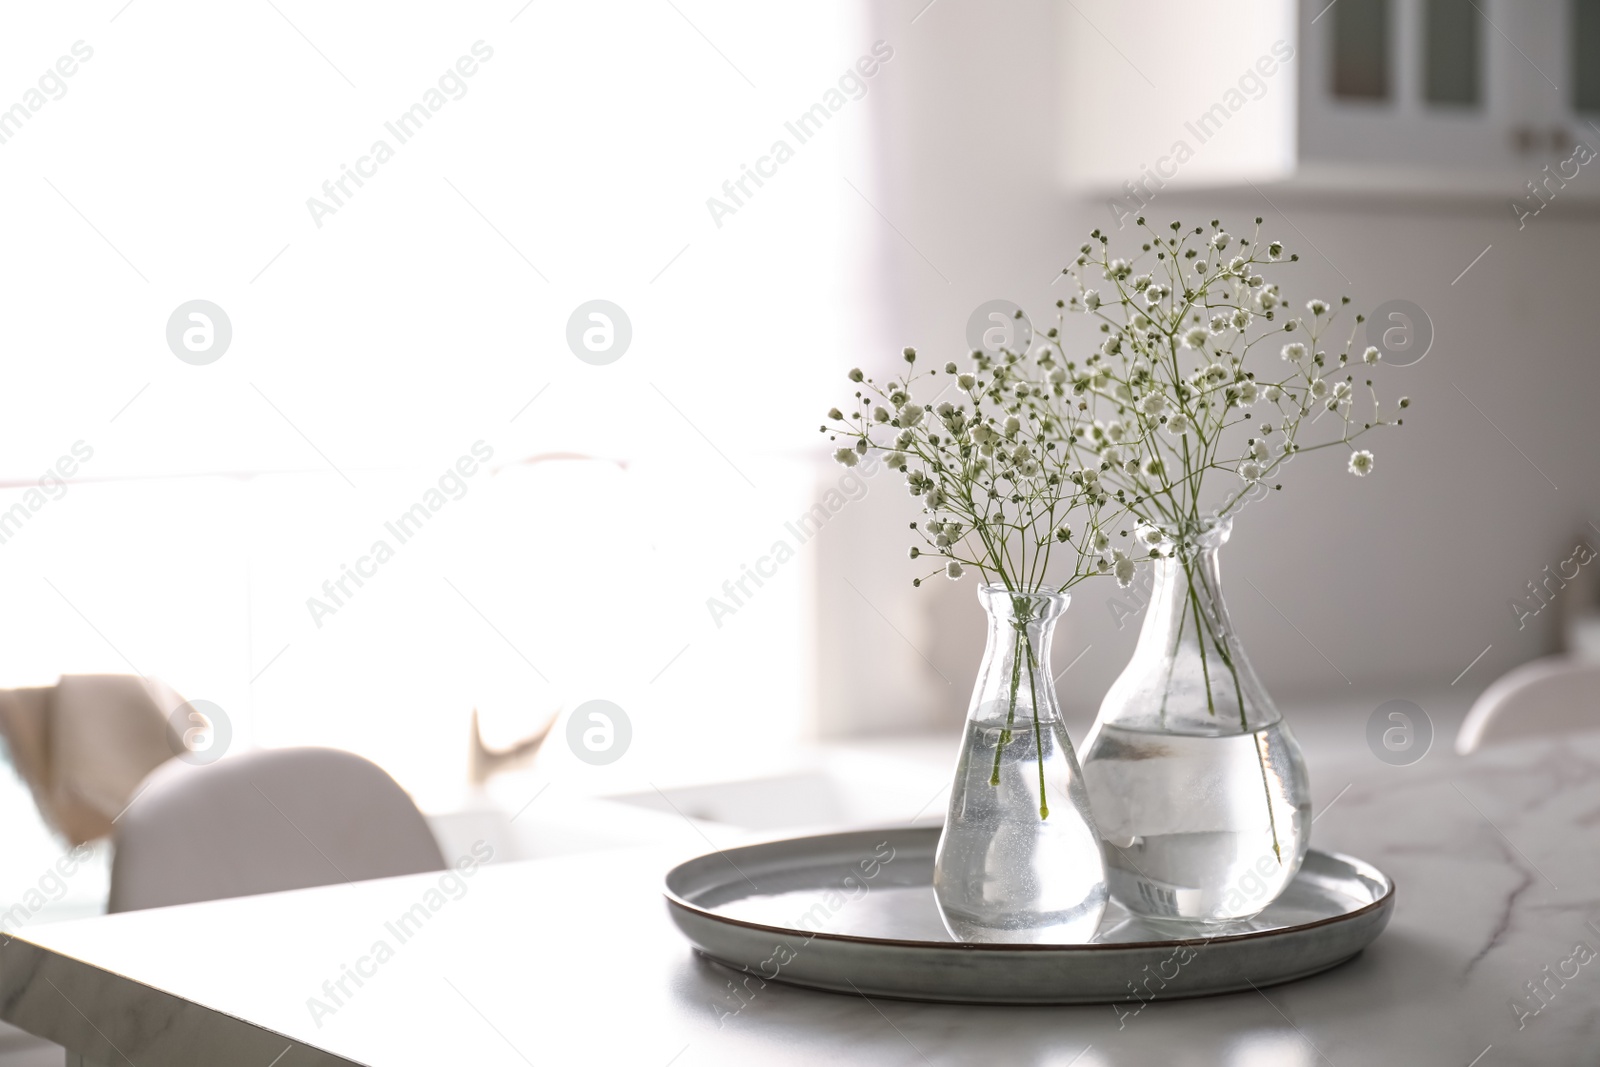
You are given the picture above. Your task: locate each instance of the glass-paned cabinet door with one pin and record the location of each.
(1555, 75)
(1408, 85)
(1361, 51)
(1452, 54)
(1583, 56)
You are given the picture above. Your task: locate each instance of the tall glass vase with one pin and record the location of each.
(1199, 788)
(1019, 860)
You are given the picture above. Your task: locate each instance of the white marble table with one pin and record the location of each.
(573, 960)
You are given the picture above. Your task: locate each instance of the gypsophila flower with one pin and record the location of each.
(1184, 382)
(996, 468)
(1361, 463)
(1185, 415)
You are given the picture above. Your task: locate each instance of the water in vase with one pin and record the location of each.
(1004, 873)
(1198, 785)
(1207, 827)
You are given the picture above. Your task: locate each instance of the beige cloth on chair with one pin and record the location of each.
(84, 745)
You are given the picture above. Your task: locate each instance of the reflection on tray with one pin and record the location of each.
(897, 904)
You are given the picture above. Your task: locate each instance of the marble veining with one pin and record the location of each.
(1492, 956)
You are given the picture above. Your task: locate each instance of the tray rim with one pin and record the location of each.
(673, 899)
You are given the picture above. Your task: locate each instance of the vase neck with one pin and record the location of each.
(1014, 679)
(1189, 672)
(1182, 583)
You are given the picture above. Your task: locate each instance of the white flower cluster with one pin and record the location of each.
(995, 468)
(1021, 453)
(1177, 383)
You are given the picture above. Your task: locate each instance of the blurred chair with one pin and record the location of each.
(262, 822)
(1554, 695)
(485, 762)
(84, 744)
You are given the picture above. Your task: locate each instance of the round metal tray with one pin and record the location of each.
(854, 913)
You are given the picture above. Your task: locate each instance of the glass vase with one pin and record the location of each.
(1019, 860)
(1199, 789)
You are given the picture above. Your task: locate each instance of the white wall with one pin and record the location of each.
(372, 348)
(1390, 584)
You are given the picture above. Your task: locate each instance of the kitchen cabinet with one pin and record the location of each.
(1418, 97)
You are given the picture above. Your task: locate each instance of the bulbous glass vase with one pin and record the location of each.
(1019, 860)
(1199, 789)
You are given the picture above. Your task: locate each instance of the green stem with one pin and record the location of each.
(1172, 663)
(1200, 640)
(1218, 641)
(1038, 743)
(1272, 820)
(1011, 713)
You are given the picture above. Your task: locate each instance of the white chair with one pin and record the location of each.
(265, 821)
(1553, 695)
